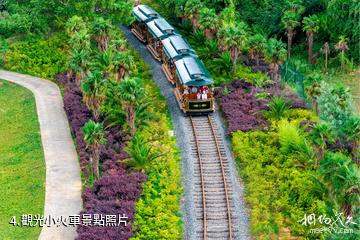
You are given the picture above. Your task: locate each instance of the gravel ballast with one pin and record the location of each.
(182, 138)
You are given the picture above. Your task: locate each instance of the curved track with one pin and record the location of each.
(213, 188)
(191, 208)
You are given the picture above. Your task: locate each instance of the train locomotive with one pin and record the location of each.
(180, 64)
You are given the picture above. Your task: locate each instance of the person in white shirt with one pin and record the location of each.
(186, 90)
(204, 96)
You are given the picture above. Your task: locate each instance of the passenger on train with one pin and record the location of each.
(194, 89)
(186, 90)
(198, 96)
(204, 89)
(204, 95)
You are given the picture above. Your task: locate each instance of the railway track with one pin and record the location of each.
(213, 188)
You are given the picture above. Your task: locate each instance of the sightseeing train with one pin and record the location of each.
(180, 64)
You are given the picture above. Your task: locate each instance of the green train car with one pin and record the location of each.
(180, 64)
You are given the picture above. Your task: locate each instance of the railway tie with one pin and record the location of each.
(213, 199)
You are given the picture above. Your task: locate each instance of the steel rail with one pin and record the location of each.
(224, 177)
(201, 177)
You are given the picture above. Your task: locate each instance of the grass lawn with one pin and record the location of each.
(22, 166)
(352, 81)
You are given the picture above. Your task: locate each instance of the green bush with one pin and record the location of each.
(3, 47)
(258, 79)
(14, 24)
(277, 191)
(39, 57)
(158, 210)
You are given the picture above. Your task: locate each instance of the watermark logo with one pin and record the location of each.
(335, 224)
(101, 220)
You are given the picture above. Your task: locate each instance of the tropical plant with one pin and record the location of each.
(123, 62)
(208, 20)
(276, 53)
(351, 131)
(342, 179)
(209, 50)
(118, 11)
(228, 14)
(104, 61)
(119, 44)
(94, 137)
(311, 26)
(234, 38)
(321, 135)
(326, 51)
(335, 106)
(314, 92)
(290, 21)
(93, 89)
(342, 46)
(80, 40)
(221, 65)
(141, 154)
(78, 64)
(192, 8)
(278, 107)
(130, 93)
(101, 30)
(257, 45)
(74, 25)
(292, 140)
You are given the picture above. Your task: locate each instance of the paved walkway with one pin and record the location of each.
(63, 184)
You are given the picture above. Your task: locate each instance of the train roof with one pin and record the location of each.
(144, 13)
(175, 46)
(191, 71)
(160, 28)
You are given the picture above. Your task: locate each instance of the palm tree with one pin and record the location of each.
(314, 91)
(257, 44)
(321, 135)
(94, 136)
(351, 132)
(123, 63)
(311, 26)
(290, 20)
(93, 89)
(342, 46)
(141, 154)
(326, 51)
(131, 92)
(104, 61)
(295, 5)
(234, 38)
(192, 8)
(101, 30)
(209, 22)
(78, 64)
(276, 53)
